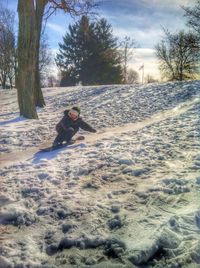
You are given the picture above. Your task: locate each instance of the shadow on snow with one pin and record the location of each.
(14, 120)
(9, 114)
(52, 154)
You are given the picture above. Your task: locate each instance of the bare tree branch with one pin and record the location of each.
(178, 55)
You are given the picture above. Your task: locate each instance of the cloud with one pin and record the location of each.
(169, 4)
(143, 20)
(144, 38)
(56, 28)
(145, 5)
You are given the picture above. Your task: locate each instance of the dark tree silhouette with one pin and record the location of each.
(89, 54)
(178, 55)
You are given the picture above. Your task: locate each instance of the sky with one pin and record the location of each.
(142, 20)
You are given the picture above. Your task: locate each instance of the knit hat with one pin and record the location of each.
(76, 109)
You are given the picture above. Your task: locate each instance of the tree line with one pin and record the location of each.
(107, 62)
(103, 64)
(89, 54)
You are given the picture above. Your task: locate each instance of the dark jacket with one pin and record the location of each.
(66, 122)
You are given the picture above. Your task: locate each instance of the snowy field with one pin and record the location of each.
(127, 196)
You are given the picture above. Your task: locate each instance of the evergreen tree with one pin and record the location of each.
(89, 54)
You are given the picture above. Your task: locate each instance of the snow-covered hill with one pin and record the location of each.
(128, 196)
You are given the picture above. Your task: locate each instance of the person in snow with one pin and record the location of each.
(69, 126)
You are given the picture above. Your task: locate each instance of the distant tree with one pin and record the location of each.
(150, 79)
(31, 14)
(45, 58)
(7, 47)
(178, 55)
(132, 76)
(126, 50)
(89, 54)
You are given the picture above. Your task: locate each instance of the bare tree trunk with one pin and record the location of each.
(26, 59)
(15, 68)
(40, 6)
(125, 64)
(10, 80)
(3, 78)
(4, 82)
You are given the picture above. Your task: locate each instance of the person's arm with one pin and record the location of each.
(86, 127)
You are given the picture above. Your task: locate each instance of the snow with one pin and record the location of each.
(127, 196)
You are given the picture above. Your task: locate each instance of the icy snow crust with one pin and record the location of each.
(128, 196)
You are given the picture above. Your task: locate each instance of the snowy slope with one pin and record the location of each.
(128, 196)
